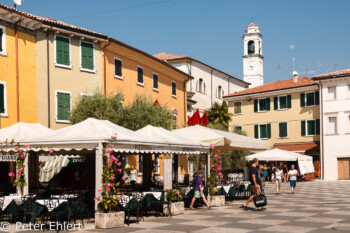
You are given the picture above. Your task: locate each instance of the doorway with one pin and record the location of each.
(344, 169)
(176, 168)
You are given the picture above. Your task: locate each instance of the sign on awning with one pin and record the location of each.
(7, 158)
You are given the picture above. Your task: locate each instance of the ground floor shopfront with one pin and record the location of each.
(7, 165)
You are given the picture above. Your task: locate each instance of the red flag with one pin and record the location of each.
(156, 103)
(194, 120)
(203, 120)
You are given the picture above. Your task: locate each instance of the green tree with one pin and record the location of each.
(98, 106)
(142, 112)
(218, 114)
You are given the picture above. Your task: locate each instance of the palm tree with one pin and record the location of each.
(218, 114)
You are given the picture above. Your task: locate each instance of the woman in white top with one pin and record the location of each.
(278, 177)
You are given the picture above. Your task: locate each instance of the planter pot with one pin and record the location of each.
(217, 200)
(109, 220)
(176, 208)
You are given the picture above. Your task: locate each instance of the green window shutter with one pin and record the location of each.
(268, 104)
(318, 127)
(303, 131)
(238, 128)
(255, 105)
(66, 106)
(2, 98)
(60, 106)
(302, 99)
(275, 103)
(289, 101)
(256, 131)
(311, 127)
(87, 56)
(263, 131)
(317, 98)
(268, 130)
(62, 51)
(283, 130)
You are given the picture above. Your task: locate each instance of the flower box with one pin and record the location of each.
(109, 220)
(176, 208)
(217, 200)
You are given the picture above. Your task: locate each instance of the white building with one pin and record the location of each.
(335, 118)
(209, 84)
(252, 58)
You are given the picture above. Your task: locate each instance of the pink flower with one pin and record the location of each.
(11, 174)
(21, 168)
(119, 170)
(114, 137)
(177, 192)
(16, 148)
(27, 145)
(51, 150)
(122, 194)
(212, 165)
(119, 164)
(104, 154)
(19, 174)
(100, 191)
(15, 181)
(112, 146)
(108, 189)
(22, 155)
(112, 176)
(110, 163)
(97, 199)
(123, 178)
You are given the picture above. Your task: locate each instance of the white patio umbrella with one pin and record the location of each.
(221, 139)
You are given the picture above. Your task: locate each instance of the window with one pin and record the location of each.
(156, 163)
(282, 102)
(63, 106)
(310, 127)
(262, 131)
(332, 125)
(140, 164)
(62, 51)
(87, 56)
(332, 93)
(139, 75)
(155, 81)
(174, 122)
(2, 40)
(84, 96)
(262, 105)
(238, 128)
(173, 88)
(283, 129)
(219, 92)
(118, 68)
(237, 107)
(251, 47)
(3, 98)
(200, 86)
(309, 99)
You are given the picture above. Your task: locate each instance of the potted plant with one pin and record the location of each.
(214, 198)
(177, 206)
(109, 214)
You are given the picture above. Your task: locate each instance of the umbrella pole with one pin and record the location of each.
(197, 163)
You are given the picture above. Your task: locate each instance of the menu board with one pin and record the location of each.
(168, 173)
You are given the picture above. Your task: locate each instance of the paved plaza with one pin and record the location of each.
(317, 206)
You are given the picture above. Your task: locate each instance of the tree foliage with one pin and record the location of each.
(140, 113)
(218, 114)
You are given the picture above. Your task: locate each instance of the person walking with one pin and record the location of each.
(278, 177)
(255, 183)
(292, 176)
(133, 174)
(285, 173)
(198, 191)
(265, 174)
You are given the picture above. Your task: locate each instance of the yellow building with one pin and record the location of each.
(286, 113)
(130, 71)
(18, 84)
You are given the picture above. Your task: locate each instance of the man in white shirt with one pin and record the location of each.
(292, 174)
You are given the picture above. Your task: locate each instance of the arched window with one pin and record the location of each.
(200, 86)
(219, 92)
(251, 47)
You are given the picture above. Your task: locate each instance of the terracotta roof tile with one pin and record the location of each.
(168, 56)
(274, 86)
(333, 74)
(252, 25)
(52, 22)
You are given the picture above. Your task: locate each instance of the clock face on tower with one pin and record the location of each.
(251, 66)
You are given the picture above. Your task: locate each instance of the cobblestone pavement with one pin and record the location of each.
(318, 206)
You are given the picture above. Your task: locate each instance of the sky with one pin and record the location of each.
(211, 30)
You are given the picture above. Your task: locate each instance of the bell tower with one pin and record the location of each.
(252, 58)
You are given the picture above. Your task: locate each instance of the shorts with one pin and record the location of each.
(278, 180)
(197, 194)
(293, 183)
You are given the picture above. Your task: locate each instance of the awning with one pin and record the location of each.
(301, 147)
(51, 168)
(221, 139)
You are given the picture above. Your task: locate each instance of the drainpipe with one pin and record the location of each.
(17, 67)
(48, 80)
(322, 133)
(190, 73)
(211, 87)
(104, 68)
(228, 89)
(185, 101)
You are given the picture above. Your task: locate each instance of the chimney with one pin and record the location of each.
(295, 77)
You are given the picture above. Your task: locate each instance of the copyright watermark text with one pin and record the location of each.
(51, 226)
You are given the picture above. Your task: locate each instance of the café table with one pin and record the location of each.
(62, 207)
